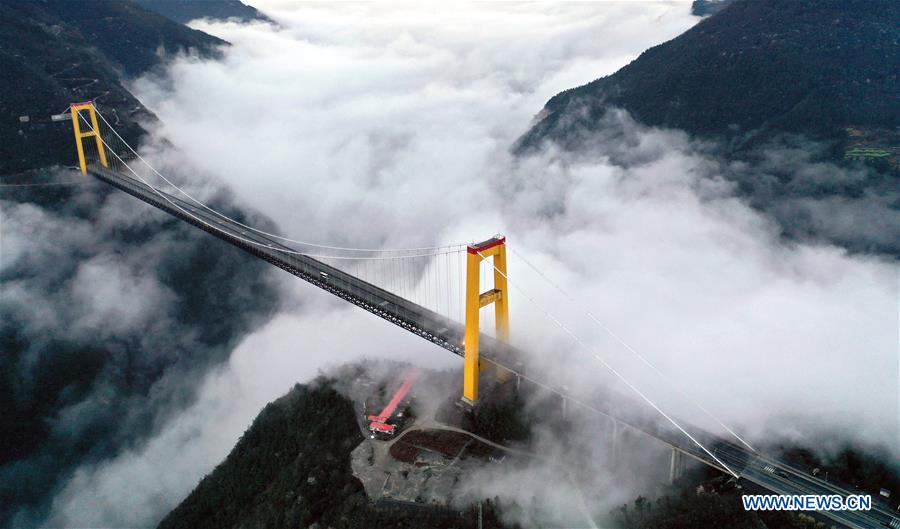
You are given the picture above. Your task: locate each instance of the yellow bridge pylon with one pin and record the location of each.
(76, 108)
(495, 249)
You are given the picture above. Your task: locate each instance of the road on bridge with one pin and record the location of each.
(449, 334)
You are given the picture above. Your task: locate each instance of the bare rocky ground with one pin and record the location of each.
(416, 469)
(429, 461)
(426, 460)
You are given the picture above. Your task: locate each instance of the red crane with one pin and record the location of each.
(379, 422)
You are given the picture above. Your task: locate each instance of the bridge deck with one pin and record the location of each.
(449, 335)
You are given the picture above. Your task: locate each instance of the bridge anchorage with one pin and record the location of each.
(421, 291)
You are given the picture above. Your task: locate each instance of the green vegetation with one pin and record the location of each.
(754, 69)
(689, 510)
(185, 11)
(867, 152)
(718, 503)
(501, 419)
(56, 52)
(783, 89)
(868, 471)
(140, 377)
(291, 469)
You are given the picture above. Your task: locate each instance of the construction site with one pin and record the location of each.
(417, 450)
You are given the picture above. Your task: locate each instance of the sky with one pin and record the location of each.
(390, 125)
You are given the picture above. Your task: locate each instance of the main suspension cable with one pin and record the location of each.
(262, 232)
(457, 248)
(165, 197)
(630, 349)
(613, 370)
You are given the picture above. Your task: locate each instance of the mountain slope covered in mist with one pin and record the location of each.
(184, 11)
(55, 52)
(755, 68)
(112, 315)
(291, 468)
(101, 334)
(798, 102)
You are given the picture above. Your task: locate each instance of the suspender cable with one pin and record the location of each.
(631, 349)
(613, 370)
(261, 232)
(285, 250)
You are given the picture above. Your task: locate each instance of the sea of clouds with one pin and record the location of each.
(391, 126)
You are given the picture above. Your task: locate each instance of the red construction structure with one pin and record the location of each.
(379, 422)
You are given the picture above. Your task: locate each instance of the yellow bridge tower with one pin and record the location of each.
(76, 108)
(495, 249)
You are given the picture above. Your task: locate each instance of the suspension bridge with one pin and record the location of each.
(436, 294)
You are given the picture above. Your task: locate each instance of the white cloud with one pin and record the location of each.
(378, 125)
(139, 485)
(115, 299)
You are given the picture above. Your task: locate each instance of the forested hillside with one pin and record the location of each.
(796, 103)
(184, 11)
(291, 469)
(111, 313)
(55, 52)
(754, 68)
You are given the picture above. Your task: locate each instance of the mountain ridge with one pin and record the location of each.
(291, 468)
(54, 52)
(797, 104)
(183, 11)
(754, 68)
